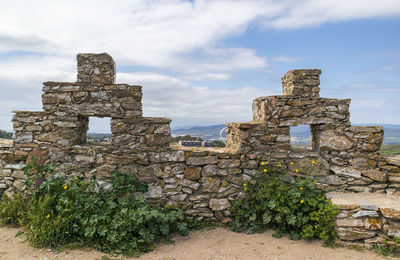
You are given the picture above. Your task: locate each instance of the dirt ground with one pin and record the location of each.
(217, 243)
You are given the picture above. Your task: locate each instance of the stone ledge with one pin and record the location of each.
(366, 217)
(207, 150)
(6, 143)
(363, 200)
(395, 160)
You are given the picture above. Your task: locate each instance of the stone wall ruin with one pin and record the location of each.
(203, 180)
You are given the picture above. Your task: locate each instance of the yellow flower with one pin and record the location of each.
(244, 184)
(262, 163)
(65, 187)
(279, 209)
(301, 188)
(245, 189)
(313, 162)
(301, 201)
(297, 170)
(291, 163)
(48, 216)
(315, 182)
(279, 164)
(76, 178)
(265, 170)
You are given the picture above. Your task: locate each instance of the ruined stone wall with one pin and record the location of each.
(205, 181)
(341, 157)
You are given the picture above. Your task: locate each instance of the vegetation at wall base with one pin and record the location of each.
(116, 219)
(274, 200)
(12, 212)
(385, 249)
(75, 211)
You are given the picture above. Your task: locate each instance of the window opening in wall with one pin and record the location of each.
(301, 138)
(99, 130)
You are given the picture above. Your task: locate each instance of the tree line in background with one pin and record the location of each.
(5, 135)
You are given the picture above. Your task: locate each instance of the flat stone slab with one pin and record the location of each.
(6, 143)
(367, 201)
(395, 160)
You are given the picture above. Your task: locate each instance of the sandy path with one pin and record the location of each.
(218, 243)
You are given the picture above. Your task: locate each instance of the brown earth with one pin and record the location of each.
(217, 243)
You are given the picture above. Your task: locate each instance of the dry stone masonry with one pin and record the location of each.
(342, 158)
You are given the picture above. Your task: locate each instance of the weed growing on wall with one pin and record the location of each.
(273, 200)
(385, 249)
(64, 211)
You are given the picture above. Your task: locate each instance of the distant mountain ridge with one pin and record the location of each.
(204, 132)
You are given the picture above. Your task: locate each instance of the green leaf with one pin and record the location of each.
(266, 218)
(271, 204)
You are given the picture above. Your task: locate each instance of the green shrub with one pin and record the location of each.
(272, 200)
(75, 211)
(13, 211)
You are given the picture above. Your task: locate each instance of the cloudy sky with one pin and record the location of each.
(203, 62)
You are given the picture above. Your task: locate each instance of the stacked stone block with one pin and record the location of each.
(96, 68)
(301, 83)
(100, 100)
(367, 218)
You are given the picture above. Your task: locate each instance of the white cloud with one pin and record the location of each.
(146, 33)
(162, 33)
(368, 103)
(285, 59)
(169, 36)
(38, 68)
(315, 12)
(208, 76)
(171, 97)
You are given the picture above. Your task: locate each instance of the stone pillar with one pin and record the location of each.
(301, 83)
(95, 68)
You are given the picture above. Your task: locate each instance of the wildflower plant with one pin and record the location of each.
(61, 211)
(275, 200)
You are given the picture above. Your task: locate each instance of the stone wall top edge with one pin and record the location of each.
(157, 119)
(87, 54)
(138, 119)
(287, 97)
(249, 124)
(308, 72)
(364, 200)
(209, 150)
(62, 83)
(266, 97)
(358, 129)
(28, 111)
(336, 99)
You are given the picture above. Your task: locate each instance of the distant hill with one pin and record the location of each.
(204, 132)
(5, 134)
